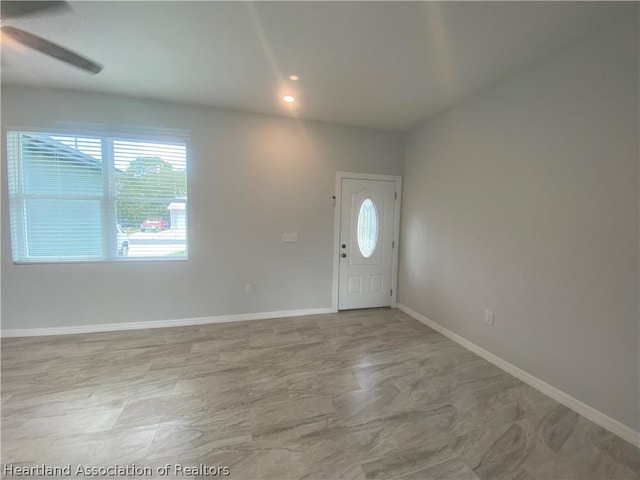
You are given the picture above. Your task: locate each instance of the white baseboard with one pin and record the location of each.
(596, 416)
(111, 327)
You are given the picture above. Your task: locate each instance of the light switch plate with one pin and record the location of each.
(489, 317)
(289, 237)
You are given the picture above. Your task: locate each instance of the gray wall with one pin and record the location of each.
(524, 200)
(251, 178)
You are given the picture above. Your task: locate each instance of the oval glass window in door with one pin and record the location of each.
(367, 228)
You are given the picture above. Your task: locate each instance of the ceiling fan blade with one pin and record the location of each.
(51, 49)
(13, 9)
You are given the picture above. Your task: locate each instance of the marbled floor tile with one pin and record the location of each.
(415, 429)
(452, 469)
(89, 448)
(381, 375)
(30, 450)
(133, 390)
(268, 377)
(167, 408)
(413, 463)
(503, 407)
(133, 339)
(212, 347)
(353, 395)
(69, 353)
(145, 354)
(79, 375)
(442, 358)
(20, 367)
(335, 452)
(364, 406)
(563, 436)
(185, 370)
(305, 325)
(237, 329)
(429, 390)
(226, 393)
(523, 450)
(258, 460)
(352, 345)
(422, 352)
(222, 380)
(272, 339)
(449, 469)
(281, 355)
(523, 475)
(181, 355)
(342, 320)
(323, 381)
(30, 405)
(220, 428)
(482, 390)
(82, 420)
(407, 340)
(506, 454)
(254, 459)
(183, 335)
(102, 448)
(621, 451)
(292, 418)
(97, 395)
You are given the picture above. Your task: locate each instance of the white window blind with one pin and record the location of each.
(82, 198)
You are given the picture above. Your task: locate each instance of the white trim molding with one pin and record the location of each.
(336, 231)
(596, 416)
(111, 327)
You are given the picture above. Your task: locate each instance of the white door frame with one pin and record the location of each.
(336, 231)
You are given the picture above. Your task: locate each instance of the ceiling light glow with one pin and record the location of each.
(288, 99)
(295, 78)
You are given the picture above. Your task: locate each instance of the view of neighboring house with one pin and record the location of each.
(178, 215)
(61, 210)
(45, 224)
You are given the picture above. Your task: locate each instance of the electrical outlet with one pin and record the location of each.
(489, 317)
(248, 288)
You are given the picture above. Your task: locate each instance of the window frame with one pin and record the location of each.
(108, 198)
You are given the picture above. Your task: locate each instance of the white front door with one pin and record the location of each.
(366, 243)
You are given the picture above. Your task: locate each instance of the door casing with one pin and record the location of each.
(336, 231)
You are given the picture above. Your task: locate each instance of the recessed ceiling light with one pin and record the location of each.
(288, 99)
(295, 78)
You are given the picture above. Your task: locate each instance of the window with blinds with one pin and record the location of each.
(83, 198)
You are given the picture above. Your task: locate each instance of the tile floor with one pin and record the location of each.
(360, 394)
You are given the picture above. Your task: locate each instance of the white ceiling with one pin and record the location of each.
(377, 64)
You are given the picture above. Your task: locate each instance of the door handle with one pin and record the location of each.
(344, 255)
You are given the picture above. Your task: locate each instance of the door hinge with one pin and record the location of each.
(392, 292)
(393, 244)
(395, 195)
